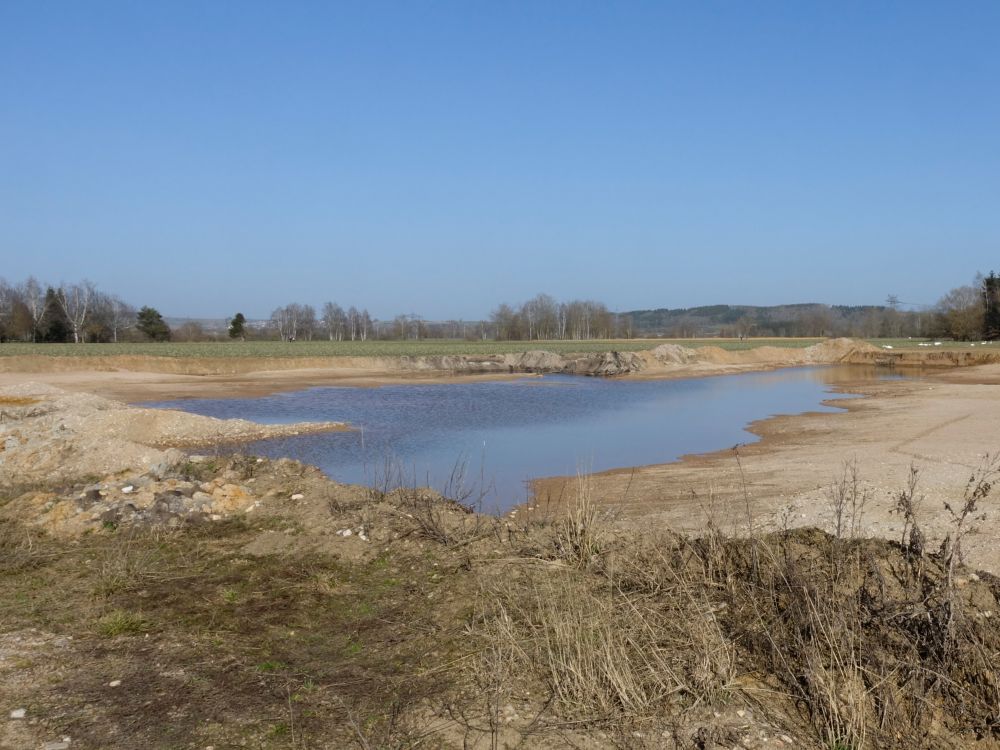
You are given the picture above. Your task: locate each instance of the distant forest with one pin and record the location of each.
(809, 320)
(31, 311)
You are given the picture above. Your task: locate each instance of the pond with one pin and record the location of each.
(497, 435)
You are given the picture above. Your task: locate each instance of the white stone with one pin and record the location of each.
(114, 683)
(128, 488)
(298, 496)
(18, 713)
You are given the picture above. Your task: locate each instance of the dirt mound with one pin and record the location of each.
(838, 350)
(673, 354)
(60, 435)
(718, 356)
(535, 361)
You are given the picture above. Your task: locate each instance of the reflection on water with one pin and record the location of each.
(510, 431)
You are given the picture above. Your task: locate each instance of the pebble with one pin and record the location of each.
(114, 683)
(62, 745)
(18, 713)
(344, 532)
(128, 488)
(298, 496)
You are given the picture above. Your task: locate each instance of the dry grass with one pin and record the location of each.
(566, 632)
(861, 642)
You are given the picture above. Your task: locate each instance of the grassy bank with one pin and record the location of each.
(430, 626)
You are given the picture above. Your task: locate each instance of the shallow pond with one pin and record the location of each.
(500, 434)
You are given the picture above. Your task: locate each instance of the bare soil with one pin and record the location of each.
(146, 378)
(942, 423)
(150, 598)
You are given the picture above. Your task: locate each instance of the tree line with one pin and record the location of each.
(31, 311)
(542, 317)
(80, 312)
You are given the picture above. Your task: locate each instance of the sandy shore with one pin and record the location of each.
(942, 421)
(135, 378)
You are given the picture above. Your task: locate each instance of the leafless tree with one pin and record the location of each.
(7, 298)
(120, 316)
(283, 320)
(334, 321)
(961, 312)
(364, 324)
(75, 301)
(32, 297)
(306, 321)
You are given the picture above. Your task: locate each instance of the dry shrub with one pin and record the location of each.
(131, 559)
(19, 549)
(603, 655)
(584, 531)
(667, 571)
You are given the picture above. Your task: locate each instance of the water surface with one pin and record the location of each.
(507, 432)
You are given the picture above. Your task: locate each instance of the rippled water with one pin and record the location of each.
(507, 432)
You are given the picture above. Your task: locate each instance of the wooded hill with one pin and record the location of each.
(808, 319)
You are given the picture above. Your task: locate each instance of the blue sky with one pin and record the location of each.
(439, 158)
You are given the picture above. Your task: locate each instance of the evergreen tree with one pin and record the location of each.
(151, 323)
(991, 307)
(54, 327)
(237, 327)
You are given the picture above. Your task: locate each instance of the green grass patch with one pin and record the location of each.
(425, 348)
(122, 622)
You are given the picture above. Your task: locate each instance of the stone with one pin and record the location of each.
(298, 496)
(114, 683)
(18, 713)
(127, 489)
(61, 745)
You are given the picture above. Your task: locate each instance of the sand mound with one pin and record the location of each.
(61, 435)
(838, 350)
(536, 361)
(673, 354)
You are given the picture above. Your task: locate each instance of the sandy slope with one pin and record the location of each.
(133, 378)
(943, 424)
(47, 434)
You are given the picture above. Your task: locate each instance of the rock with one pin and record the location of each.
(298, 496)
(18, 713)
(229, 498)
(127, 489)
(114, 683)
(61, 745)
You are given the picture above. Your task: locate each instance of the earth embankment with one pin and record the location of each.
(144, 377)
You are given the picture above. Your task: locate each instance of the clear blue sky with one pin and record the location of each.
(441, 157)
